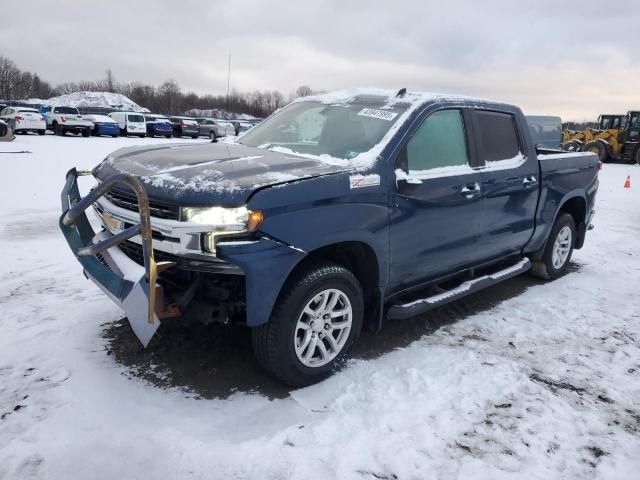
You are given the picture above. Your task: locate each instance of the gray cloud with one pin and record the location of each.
(547, 57)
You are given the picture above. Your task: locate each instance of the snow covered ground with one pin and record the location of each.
(544, 384)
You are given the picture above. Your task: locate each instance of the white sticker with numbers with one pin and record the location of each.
(380, 114)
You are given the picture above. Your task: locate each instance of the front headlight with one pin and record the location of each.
(221, 219)
(239, 219)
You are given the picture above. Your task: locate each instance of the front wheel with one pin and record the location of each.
(599, 149)
(558, 250)
(314, 325)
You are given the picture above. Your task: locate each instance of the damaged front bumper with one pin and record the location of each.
(131, 286)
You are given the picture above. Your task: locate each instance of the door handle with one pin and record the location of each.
(528, 181)
(470, 190)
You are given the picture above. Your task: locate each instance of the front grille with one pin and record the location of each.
(127, 200)
(134, 252)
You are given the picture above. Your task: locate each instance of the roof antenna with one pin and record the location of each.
(401, 93)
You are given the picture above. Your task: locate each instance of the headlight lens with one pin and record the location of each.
(220, 218)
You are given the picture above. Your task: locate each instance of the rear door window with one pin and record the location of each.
(498, 136)
(439, 142)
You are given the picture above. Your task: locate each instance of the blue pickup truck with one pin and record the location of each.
(338, 212)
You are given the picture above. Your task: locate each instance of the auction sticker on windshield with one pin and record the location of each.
(380, 114)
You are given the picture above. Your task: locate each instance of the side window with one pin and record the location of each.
(605, 123)
(498, 136)
(439, 142)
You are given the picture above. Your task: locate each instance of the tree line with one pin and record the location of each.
(167, 98)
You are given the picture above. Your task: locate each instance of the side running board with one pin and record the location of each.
(416, 307)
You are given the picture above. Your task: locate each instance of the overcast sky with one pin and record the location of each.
(546, 56)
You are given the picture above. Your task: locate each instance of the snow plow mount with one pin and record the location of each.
(132, 287)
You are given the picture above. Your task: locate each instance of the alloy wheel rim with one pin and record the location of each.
(323, 328)
(561, 247)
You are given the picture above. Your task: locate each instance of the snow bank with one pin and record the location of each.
(92, 99)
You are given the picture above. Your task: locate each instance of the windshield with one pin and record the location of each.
(339, 130)
(66, 110)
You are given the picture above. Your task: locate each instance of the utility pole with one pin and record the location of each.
(228, 81)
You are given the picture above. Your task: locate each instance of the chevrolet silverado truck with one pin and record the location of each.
(337, 213)
(62, 119)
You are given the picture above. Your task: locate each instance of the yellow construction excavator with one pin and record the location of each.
(616, 138)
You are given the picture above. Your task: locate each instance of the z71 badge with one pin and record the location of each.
(360, 181)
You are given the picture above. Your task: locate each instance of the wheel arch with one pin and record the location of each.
(361, 259)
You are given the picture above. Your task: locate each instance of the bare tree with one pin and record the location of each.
(304, 91)
(9, 78)
(170, 93)
(110, 81)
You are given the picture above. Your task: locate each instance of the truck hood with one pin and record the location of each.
(211, 173)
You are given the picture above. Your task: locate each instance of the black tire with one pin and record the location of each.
(598, 148)
(168, 136)
(212, 135)
(58, 130)
(41, 132)
(637, 156)
(273, 342)
(86, 132)
(194, 136)
(572, 146)
(545, 268)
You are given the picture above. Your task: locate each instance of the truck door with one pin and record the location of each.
(436, 211)
(509, 182)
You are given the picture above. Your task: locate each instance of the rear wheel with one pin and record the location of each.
(637, 156)
(599, 149)
(558, 250)
(168, 136)
(314, 325)
(212, 135)
(41, 132)
(86, 132)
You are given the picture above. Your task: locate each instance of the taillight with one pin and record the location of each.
(18, 117)
(184, 125)
(62, 119)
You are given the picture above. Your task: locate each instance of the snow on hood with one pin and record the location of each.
(209, 173)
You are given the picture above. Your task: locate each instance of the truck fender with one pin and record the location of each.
(536, 255)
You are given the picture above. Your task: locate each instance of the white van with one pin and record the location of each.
(130, 123)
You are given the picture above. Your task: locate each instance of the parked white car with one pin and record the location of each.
(130, 123)
(23, 119)
(63, 119)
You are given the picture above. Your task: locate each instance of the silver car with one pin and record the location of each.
(215, 127)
